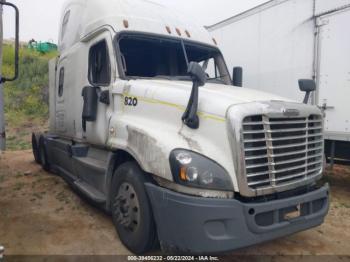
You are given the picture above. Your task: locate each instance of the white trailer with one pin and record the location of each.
(282, 41)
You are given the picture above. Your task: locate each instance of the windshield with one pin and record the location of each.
(161, 57)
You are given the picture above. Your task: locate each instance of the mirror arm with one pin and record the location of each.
(199, 78)
(190, 117)
(307, 97)
(188, 108)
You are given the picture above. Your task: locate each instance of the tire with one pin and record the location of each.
(131, 209)
(35, 148)
(43, 154)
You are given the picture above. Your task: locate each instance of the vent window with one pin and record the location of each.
(61, 82)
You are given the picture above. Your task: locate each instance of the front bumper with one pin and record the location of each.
(197, 225)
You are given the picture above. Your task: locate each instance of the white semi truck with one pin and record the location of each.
(281, 41)
(145, 122)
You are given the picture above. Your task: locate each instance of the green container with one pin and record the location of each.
(42, 47)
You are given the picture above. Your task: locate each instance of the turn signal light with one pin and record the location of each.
(183, 174)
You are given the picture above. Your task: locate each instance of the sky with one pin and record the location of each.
(39, 19)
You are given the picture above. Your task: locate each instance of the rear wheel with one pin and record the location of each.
(43, 154)
(35, 148)
(131, 209)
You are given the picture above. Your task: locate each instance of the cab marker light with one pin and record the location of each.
(126, 23)
(178, 31)
(215, 42)
(168, 29)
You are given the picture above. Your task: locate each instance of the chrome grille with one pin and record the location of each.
(281, 151)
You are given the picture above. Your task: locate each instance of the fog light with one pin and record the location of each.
(207, 178)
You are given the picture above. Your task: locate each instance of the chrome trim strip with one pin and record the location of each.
(284, 162)
(283, 138)
(282, 147)
(279, 122)
(282, 130)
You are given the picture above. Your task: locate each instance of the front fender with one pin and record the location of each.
(150, 146)
(151, 143)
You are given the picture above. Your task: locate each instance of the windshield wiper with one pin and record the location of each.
(164, 77)
(216, 78)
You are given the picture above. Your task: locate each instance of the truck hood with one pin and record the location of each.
(214, 99)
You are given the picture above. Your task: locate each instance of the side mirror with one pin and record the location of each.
(16, 72)
(237, 76)
(197, 73)
(307, 86)
(90, 105)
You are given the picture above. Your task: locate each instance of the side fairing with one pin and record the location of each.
(52, 95)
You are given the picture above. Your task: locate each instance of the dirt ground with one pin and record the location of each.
(41, 215)
(19, 130)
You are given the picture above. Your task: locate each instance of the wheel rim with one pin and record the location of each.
(127, 208)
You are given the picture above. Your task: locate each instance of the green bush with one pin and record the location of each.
(26, 99)
(29, 94)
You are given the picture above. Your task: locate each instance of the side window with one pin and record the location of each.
(61, 82)
(99, 65)
(65, 24)
(212, 69)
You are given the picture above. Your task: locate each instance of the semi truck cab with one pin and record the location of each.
(146, 123)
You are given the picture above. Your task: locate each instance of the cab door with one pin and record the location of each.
(101, 75)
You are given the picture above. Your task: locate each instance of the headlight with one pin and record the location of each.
(192, 169)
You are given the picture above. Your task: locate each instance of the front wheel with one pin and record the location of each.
(131, 210)
(43, 154)
(35, 148)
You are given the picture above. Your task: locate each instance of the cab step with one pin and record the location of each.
(97, 165)
(90, 192)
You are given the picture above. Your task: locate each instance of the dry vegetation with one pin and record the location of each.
(26, 100)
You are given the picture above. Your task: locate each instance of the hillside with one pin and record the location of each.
(26, 100)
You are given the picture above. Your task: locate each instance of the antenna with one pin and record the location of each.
(185, 52)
